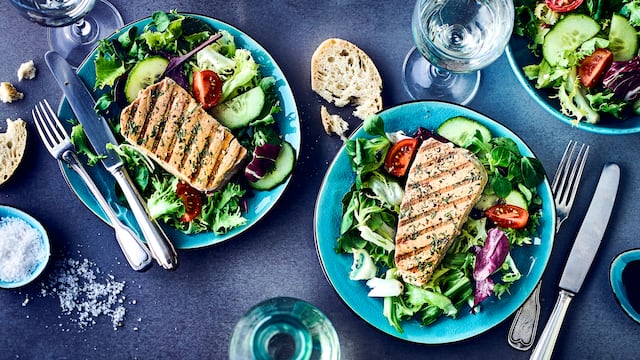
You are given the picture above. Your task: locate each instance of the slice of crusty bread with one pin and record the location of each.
(333, 124)
(12, 145)
(344, 74)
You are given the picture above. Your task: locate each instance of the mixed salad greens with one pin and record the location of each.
(226, 81)
(589, 54)
(479, 262)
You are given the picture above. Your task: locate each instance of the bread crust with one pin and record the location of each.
(343, 74)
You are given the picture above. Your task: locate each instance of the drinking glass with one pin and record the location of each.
(455, 39)
(284, 328)
(74, 26)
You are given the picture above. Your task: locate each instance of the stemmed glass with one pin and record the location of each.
(454, 40)
(75, 26)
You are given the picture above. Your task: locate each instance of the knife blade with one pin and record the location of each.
(99, 134)
(581, 257)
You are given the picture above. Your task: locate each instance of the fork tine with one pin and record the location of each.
(563, 169)
(53, 129)
(61, 131)
(40, 126)
(577, 174)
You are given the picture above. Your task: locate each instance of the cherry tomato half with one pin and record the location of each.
(207, 88)
(399, 156)
(594, 66)
(191, 199)
(508, 216)
(562, 6)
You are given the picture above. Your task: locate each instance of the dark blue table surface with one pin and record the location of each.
(190, 313)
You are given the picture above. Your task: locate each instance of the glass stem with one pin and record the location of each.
(84, 31)
(441, 77)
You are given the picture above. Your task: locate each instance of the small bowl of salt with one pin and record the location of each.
(24, 248)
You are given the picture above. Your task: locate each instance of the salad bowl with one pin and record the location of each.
(258, 204)
(519, 56)
(531, 259)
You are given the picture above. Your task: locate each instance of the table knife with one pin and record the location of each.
(99, 134)
(581, 256)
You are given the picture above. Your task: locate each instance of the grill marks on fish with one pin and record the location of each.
(443, 185)
(166, 123)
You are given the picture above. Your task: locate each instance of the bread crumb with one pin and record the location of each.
(8, 93)
(333, 123)
(27, 70)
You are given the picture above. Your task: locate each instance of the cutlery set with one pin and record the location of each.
(587, 241)
(100, 135)
(159, 247)
(565, 187)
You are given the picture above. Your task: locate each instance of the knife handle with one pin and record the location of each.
(134, 250)
(161, 248)
(544, 348)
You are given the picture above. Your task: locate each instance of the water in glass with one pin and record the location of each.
(462, 35)
(455, 39)
(54, 12)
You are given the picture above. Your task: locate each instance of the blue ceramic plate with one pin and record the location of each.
(519, 56)
(531, 260)
(258, 205)
(6, 212)
(615, 279)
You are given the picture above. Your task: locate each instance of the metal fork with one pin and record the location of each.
(56, 140)
(564, 186)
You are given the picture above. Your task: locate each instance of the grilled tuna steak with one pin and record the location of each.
(167, 124)
(443, 185)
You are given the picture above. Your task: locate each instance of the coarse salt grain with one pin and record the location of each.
(21, 249)
(83, 295)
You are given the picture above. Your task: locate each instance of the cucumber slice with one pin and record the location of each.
(460, 129)
(238, 112)
(623, 39)
(486, 201)
(516, 198)
(145, 73)
(283, 167)
(567, 35)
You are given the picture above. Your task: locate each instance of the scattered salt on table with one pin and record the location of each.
(21, 249)
(85, 293)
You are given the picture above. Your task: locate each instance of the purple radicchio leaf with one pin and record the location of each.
(178, 76)
(489, 258)
(623, 78)
(264, 157)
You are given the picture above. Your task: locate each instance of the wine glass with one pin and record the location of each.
(284, 328)
(454, 40)
(75, 26)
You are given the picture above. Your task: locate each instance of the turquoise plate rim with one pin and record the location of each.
(532, 260)
(258, 205)
(8, 211)
(615, 280)
(517, 51)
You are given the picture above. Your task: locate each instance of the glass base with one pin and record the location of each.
(284, 328)
(75, 42)
(424, 81)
